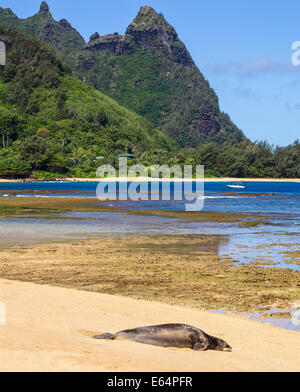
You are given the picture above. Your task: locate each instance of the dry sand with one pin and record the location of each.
(50, 329)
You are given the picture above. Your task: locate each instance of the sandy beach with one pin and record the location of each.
(50, 329)
(59, 294)
(156, 243)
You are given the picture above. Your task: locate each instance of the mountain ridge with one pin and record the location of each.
(53, 125)
(51, 121)
(59, 34)
(163, 84)
(148, 70)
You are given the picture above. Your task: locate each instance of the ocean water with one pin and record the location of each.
(218, 197)
(270, 240)
(274, 208)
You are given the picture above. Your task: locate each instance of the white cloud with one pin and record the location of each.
(253, 68)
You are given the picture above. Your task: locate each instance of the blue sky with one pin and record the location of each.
(242, 47)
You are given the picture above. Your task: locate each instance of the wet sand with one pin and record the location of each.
(180, 270)
(50, 329)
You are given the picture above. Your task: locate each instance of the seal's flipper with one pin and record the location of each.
(200, 347)
(108, 336)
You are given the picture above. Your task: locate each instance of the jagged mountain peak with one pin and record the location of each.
(149, 70)
(42, 25)
(7, 10)
(146, 9)
(94, 37)
(44, 7)
(149, 20)
(7, 16)
(63, 22)
(150, 30)
(148, 12)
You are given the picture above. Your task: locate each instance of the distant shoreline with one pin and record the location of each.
(145, 179)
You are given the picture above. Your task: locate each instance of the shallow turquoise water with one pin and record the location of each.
(276, 206)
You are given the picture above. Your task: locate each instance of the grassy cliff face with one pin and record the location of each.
(148, 70)
(61, 35)
(52, 121)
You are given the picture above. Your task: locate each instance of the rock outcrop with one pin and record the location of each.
(149, 70)
(151, 31)
(44, 7)
(116, 43)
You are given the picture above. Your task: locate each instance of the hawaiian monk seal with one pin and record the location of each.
(171, 335)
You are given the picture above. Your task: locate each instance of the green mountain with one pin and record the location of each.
(61, 35)
(51, 121)
(52, 124)
(148, 70)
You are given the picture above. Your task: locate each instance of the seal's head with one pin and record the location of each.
(220, 345)
(223, 346)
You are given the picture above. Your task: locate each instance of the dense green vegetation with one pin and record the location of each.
(151, 85)
(52, 122)
(61, 35)
(246, 159)
(148, 71)
(53, 125)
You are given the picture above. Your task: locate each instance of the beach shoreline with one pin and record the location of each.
(173, 268)
(51, 328)
(59, 295)
(149, 179)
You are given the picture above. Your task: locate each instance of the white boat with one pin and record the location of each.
(237, 186)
